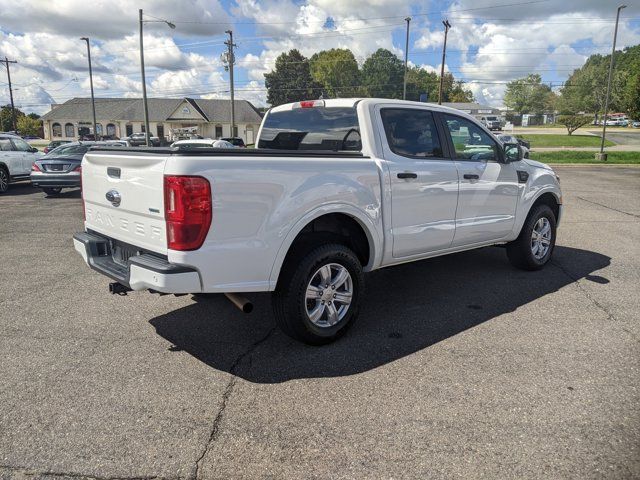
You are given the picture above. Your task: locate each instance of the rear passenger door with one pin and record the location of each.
(27, 157)
(489, 188)
(11, 157)
(424, 181)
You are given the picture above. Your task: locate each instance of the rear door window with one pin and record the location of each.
(5, 145)
(315, 128)
(411, 132)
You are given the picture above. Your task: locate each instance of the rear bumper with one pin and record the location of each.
(53, 180)
(141, 272)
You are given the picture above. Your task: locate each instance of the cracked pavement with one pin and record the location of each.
(459, 366)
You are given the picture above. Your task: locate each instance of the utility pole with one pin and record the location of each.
(93, 101)
(230, 60)
(6, 62)
(603, 156)
(406, 59)
(147, 133)
(447, 26)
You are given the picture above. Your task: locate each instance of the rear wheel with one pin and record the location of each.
(318, 297)
(4, 180)
(52, 192)
(534, 246)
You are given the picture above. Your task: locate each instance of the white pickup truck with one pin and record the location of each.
(335, 188)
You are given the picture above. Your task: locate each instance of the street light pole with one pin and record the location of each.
(144, 84)
(93, 101)
(447, 26)
(147, 133)
(602, 156)
(406, 60)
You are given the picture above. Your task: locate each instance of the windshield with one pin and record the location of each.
(492, 118)
(316, 128)
(68, 150)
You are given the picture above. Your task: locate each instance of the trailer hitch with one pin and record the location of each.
(117, 288)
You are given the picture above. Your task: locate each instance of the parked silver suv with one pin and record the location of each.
(16, 158)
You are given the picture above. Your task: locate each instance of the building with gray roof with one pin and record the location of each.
(169, 118)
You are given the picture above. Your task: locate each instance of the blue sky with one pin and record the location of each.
(490, 43)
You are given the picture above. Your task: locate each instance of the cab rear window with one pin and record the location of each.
(316, 128)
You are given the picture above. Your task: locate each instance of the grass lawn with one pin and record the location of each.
(585, 157)
(554, 140)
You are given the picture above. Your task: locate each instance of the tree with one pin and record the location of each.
(291, 80)
(336, 70)
(421, 81)
(28, 125)
(527, 95)
(6, 123)
(383, 74)
(586, 88)
(573, 122)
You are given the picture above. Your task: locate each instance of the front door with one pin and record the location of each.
(489, 189)
(424, 182)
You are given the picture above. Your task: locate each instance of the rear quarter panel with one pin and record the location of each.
(261, 203)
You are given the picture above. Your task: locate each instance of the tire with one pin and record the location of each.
(52, 192)
(4, 180)
(292, 307)
(522, 252)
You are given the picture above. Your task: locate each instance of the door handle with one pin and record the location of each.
(407, 175)
(471, 176)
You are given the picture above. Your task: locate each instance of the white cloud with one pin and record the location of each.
(112, 19)
(99, 83)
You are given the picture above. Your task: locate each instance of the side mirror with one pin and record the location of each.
(33, 150)
(512, 152)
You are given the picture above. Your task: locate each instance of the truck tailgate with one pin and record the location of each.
(124, 197)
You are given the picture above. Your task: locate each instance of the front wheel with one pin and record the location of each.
(318, 298)
(534, 246)
(52, 192)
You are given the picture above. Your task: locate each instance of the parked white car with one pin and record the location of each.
(16, 158)
(336, 188)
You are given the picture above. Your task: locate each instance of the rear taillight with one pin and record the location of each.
(35, 168)
(187, 211)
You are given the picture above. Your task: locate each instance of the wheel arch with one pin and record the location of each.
(550, 199)
(363, 237)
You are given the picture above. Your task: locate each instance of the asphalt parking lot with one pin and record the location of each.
(459, 367)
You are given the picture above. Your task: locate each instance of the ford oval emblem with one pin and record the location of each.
(114, 197)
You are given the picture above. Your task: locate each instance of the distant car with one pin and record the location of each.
(200, 143)
(512, 139)
(491, 122)
(623, 123)
(235, 141)
(635, 124)
(138, 139)
(16, 157)
(54, 144)
(60, 168)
